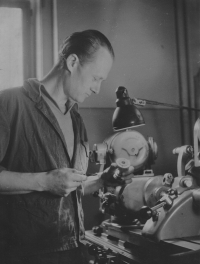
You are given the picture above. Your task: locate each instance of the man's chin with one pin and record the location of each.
(79, 101)
(82, 99)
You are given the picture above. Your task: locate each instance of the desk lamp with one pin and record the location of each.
(126, 115)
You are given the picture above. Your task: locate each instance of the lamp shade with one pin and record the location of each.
(126, 115)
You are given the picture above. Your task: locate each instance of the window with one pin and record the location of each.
(17, 51)
(11, 47)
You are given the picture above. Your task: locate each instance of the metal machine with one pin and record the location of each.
(152, 211)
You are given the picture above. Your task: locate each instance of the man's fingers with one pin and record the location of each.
(79, 177)
(69, 191)
(74, 175)
(128, 172)
(112, 168)
(81, 172)
(73, 184)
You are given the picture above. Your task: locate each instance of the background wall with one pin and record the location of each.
(157, 51)
(143, 37)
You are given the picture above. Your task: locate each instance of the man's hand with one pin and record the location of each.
(107, 175)
(62, 181)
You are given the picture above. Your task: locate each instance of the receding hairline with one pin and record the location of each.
(85, 45)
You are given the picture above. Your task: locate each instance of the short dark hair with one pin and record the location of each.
(84, 44)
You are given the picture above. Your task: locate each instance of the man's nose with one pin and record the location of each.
(96, 88)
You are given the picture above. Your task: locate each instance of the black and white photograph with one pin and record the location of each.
(99, 131)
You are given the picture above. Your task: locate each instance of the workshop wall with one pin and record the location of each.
(143, 36)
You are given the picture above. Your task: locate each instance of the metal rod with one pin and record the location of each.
(179, 70)
(187, 68)
(158, 206)
(164, 104)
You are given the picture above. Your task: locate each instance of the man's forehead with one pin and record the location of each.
(103, 51)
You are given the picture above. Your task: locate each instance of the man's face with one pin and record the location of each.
(86, 79)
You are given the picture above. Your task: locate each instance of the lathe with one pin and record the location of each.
(154, 219)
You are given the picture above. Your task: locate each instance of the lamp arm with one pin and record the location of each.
(139, 102)
(143, 102)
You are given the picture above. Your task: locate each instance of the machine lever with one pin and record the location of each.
(147, 212)
(166, 202)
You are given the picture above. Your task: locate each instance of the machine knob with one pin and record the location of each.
(93, 250)
(95, 194)
(102, 255)
(168, 179)
(114, 261)
(187, 183)
(97, 230)
(145, 213)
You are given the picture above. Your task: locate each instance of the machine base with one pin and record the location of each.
(119, 247)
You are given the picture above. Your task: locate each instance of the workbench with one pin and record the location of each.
(117, 246)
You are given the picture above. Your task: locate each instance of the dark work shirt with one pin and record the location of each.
(32, 141)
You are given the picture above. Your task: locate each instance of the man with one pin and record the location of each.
(44, 156)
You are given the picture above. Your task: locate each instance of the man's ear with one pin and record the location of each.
(71, 62)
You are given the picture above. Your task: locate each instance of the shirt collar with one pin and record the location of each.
(35, 89)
